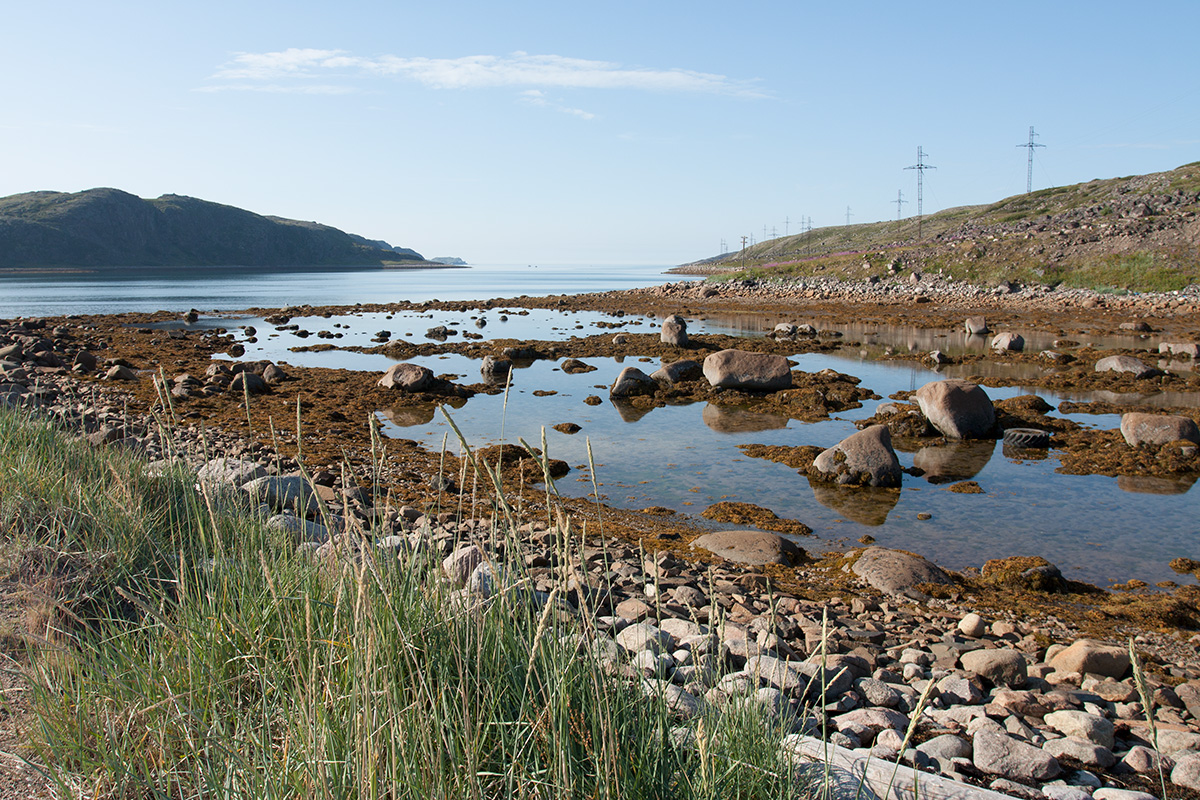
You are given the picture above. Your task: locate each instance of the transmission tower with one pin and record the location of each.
(774, 232)
(743, 252)
(920, 167)
(787, 222)
(1030, 145)
(898, 201)
(848, 216)
(722, 245)
(806, 228)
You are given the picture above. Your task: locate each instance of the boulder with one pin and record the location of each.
(674, 331)
(1087, 655)
(1157, 429)
(1082, 725)
(865, 458)
(751, 547)
(1001, 666)
(247, 382)
(1181, 349)
(407, 378)
(1008, 342)
(676, 371)
(493, 368)
(120, 373)
(283, 492)
(997, 753)
(958, 409)
(229, 471)
(976, 326)
(895, 571)
(631, 382)
(1187, 771)
(737, 369)
(1127, 364)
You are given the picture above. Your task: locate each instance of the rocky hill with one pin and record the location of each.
(1139, 233)
(111, 228)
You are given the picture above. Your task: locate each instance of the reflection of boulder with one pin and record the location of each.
(1146, 484)
(954, 461)
(628, 411)
(864, 505)
(408, 416)
(740, 420)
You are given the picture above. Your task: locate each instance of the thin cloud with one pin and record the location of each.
(536, 97)
(471, 72)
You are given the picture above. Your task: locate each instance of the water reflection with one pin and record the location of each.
(954, 461)
(731, 419)
(864, 505)
(1146, 484)
(628, 411)
(408, 416)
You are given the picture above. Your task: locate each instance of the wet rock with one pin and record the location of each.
(573, 366)
(1125, 364)
(865, 458)
(674, 331)
(958, 409)
(676, 371)
(751, 547)
(1008, 342)
(632, 382)
(493, 367)
(247, 382)
(1180, 349)
(407, 378)
(1088, 655)
(1157, 429)
(737, 369)
(976, 326)
(894, 571)
(1024, 572)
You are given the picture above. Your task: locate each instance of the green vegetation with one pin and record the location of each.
(184, 650)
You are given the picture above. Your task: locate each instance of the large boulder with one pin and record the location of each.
(1087, 655)
(1157, 429)
(1126, 364)
(674, 331)
(997, 753)
(676, 371)
(1008, 342)
(407, 378)
(737, 369)
(958, 409)
(975, 326)
(631, 382)
(865, 458)
(1181, 349)
(1002, 666)
(751, 547)
(895, 571)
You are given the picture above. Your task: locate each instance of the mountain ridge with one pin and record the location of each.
(106, 227)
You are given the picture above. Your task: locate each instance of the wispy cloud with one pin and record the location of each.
(296, 66)
(536, 97)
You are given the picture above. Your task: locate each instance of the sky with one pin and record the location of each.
(600, 133)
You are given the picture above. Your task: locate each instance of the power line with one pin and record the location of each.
(787, 221)
(898, 201)
(722, 245)
(1030, 145)
(848, 216)
(920, 167)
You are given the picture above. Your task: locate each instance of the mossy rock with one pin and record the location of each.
(1024, 572)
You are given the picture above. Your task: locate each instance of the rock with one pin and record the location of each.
(958, 409)
(1008, 342)
(976, 326)
(1137, 326)
(1182, 349)
(1144, 761)
(1113, 793)
(678, 701)
(996, 753)
(1027, 572)
(783, 675)
(946, 747)
(1087, 753)
(632, 382)
(737, 369)
(118, 372)
(407, 378)
(1187, 771)
(459, 565)
(865, 458)
(283, 492)
(873, 719)
(272, 373)
(573, 366)
(1002, 666)
(877, 693)
(229, 471)
(298, 529)
(674, 331)
(1157, 429)
(1087, 655)
(1127, 364)
(958, 691)
(972, 625)
(1055, 791)
(894, 571)
(752, 547)
(644, 636)
(1080, 724)
(247, 382)
(493, 367)
(676, 371)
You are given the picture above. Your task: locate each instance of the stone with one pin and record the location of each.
(298, 530)
(283, 492)
(976, 326)
(676, 371)
(972, 625)
(957, 690)
(229, 471)
(946, 747)
(493, 368)
(894, 571)
(247, 382)
(1087, 753)
(1144, 761)
(644, 636)
(1140, 428)
(459, 565)
(873, 719)
(1008, 341)
(631, 383)
(783, 675)
(678, 701)
(1182, 349)
(1113, 793)
(738, 369)
(877, 693)
(865, 458)
(1092, 727)
(752, 547)
(407, 378)
(1087, 655)
(674, 331)
(118, 372)
(1001, 666)
(958, 409)
(1126, 364)
(1055, 791)
(997, 753)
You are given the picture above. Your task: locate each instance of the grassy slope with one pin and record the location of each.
(1019, 238)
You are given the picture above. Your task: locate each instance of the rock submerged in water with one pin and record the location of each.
(976, 326)
(865, 458)
(1127, 364)
(738, 369)
(958, 409)
(407, 378)
(1157, 429)
(1008, 342)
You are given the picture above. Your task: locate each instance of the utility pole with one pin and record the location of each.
(899, 199)
(806, 228)
(920, 167)
(1029, 171)
(848, 216)
(774, 232)
(743, 252)
(722, 245)
(787, 221)
(764, 233)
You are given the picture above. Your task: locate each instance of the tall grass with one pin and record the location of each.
(199, 654)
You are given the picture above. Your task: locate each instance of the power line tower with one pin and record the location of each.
(899, 201)
(848, 216)
(722, 245)
(920, 167)
(1030, 145)
(774, 232)
(806, 228)
(787, 222)
(743, 252)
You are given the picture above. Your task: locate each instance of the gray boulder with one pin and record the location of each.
(674, 331)
(958, 409)
(1008, 342)
(976, 326)
(865, 458)
(1001, 666)
(1157, 429)
(1126, 364)
(229, 471)
(1087, 655)
(493, 368)
(738, 369)
(997, 753)
(676, 371)
(751, 547)
(894, 571)
(407, 378)
(631, 382)
(1082, 725)
(282, 492)
(1181, 349)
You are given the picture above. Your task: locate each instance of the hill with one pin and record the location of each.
(111, 228)
(1138, 233)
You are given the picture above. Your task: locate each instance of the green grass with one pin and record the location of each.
(188, 652)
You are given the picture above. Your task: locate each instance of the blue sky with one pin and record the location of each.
(617, 132)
